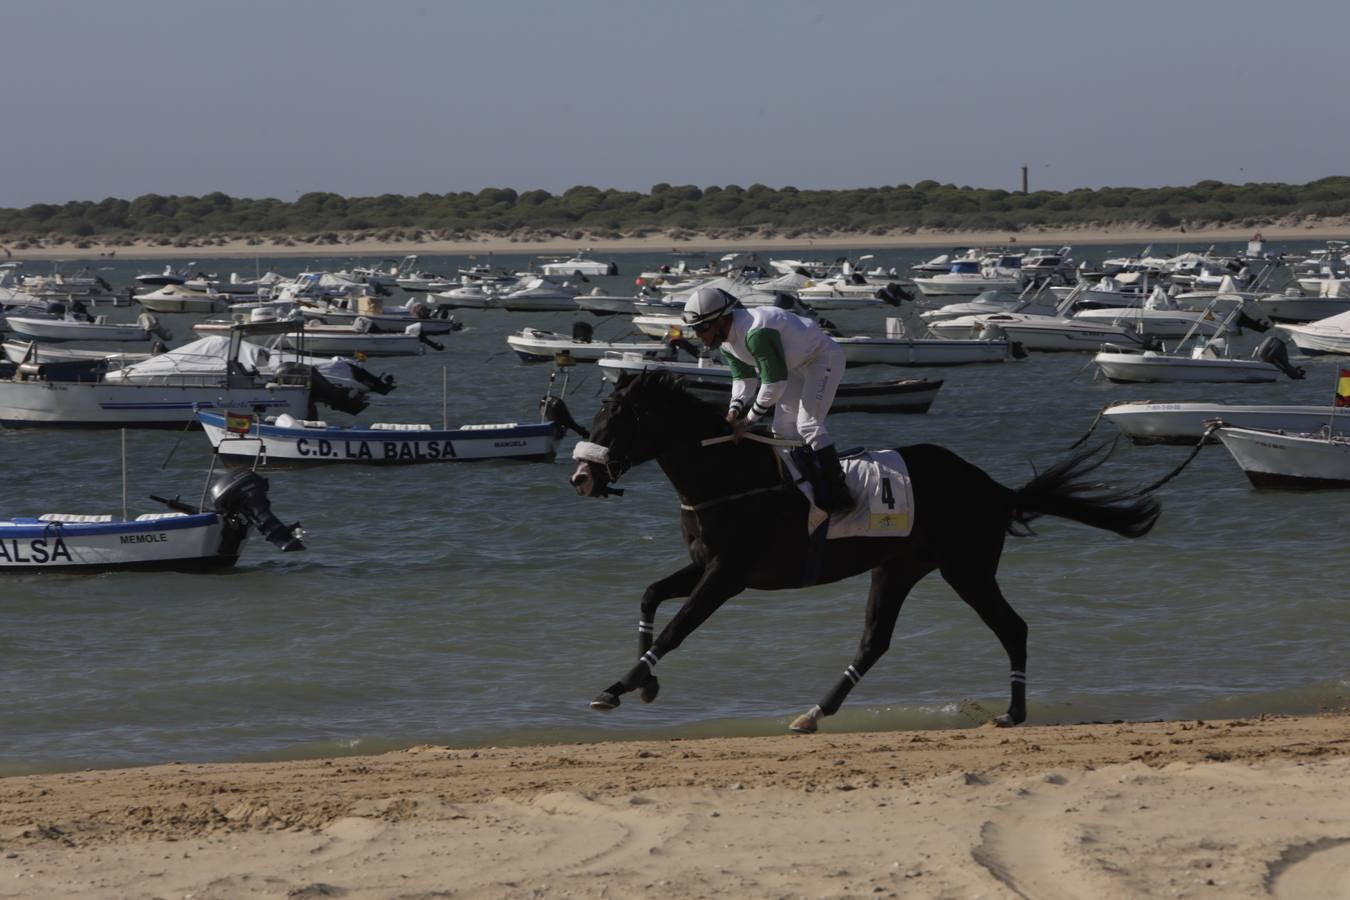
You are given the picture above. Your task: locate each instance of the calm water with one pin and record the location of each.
(486, 603)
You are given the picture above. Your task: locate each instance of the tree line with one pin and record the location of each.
(717, 210)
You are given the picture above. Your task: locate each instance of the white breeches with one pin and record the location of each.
(801, 410)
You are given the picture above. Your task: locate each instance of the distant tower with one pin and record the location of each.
(1024, 179)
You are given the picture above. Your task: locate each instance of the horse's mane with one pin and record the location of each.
(667, 391)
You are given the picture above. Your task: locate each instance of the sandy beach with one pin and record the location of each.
(1222, 809)
(269, 246)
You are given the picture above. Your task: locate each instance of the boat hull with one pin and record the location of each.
(272, 445)
(913, 395)
(877, 351)
(1299, 461)
(532, 345)
(172, 542)
(1134, 368)
(104, 405)
(58, 330)
(1185, 423)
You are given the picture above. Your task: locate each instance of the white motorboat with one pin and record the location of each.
(381, 316)
(358, 339)
(160, 279)
(234, 285)
(986, 304)
(214, 372)
(537, 345)
(601, 303)
(1162, 317)
(900, 350)
(55, 394)
(1166, 422)
(843, 291)
(285, 440)
(661, 325)
(547, 293)
(1059, 332)
(179, 298)
(971, 276)
(713, 381)
(1329, 335)
(1127, 289)
(469, 294)
(1293, 306)
(579, 265)
(1272, 458)
(1203, 365)
(145, 328)
(35, 352)
(184, 539)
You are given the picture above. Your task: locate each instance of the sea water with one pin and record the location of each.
(485, 603)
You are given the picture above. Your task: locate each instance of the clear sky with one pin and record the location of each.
(274, 98)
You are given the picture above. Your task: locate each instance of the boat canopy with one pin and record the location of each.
(966, 267)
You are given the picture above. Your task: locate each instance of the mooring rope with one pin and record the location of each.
(1204, 439)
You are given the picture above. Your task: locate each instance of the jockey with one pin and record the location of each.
(780, 363)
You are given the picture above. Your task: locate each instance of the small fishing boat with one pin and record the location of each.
(1165, 422)
(578, 265)
(179, 298)
(1205, 362)
(713, 382)
(1274, 458)
(55, 330)
(286, 440)
(185, 538)
(536, 345)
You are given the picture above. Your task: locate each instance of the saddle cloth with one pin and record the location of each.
(879, 482)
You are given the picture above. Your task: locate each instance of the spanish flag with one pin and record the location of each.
(238, 423)
(1343, 388)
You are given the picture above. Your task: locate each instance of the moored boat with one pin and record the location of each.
(713, 382)
(1274, 458)
(286, 440)
(186, 538)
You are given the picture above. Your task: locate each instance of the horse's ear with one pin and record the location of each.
(625, 379)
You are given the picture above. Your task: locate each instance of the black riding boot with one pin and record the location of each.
(832, 492)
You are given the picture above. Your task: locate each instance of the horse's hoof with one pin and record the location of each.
(604, 702)
(1006, 720)
(804, 724)
(650, 688)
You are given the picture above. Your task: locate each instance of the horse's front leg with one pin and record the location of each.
(680, 584)
(713, 585)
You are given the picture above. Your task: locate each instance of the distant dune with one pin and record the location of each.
(358, 244)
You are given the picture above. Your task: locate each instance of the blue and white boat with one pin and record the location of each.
(286, 440)
(185, 538)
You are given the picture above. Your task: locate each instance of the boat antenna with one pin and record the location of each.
(445, 398)
(124, 474)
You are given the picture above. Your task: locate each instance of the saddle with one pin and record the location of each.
(877, 479)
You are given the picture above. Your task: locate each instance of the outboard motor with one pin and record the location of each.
(415, 329)
(582, 332)
(893, 294)
(1254, 323)
(1274, 351)
(612, 269)
(242, 493)
(151, 324)
(321, 390)
(379, 384)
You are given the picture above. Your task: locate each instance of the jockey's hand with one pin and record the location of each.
(739, 428)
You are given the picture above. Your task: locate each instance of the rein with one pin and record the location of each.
(718, 501)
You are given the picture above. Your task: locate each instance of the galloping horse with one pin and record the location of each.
(745, 527)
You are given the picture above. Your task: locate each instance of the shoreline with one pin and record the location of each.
(242, 248)
(1238, 808)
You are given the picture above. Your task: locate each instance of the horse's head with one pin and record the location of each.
(636, 423)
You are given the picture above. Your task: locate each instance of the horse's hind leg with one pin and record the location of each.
(980, 590)
(678, 584)
(891, 583)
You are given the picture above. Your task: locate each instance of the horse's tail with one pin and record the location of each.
(1062, 490)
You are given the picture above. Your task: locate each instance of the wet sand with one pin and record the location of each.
(1247, 808)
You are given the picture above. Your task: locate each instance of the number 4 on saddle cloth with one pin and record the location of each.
(878, 481)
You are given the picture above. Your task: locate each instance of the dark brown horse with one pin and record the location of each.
(746, 528)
